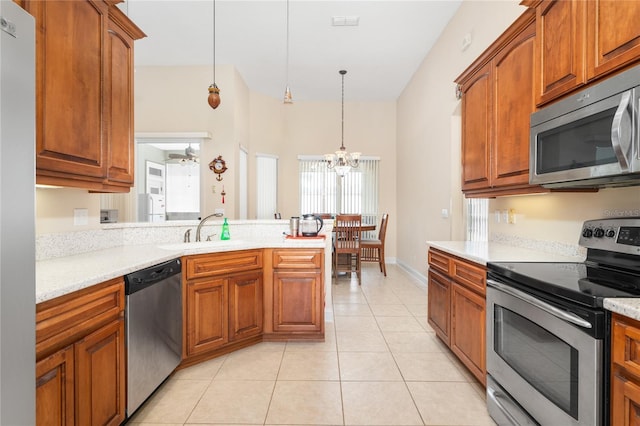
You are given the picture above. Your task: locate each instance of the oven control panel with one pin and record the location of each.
(615, 234)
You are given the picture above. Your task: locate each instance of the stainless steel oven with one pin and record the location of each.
(548, 334)
(591, 138)
(545, 356)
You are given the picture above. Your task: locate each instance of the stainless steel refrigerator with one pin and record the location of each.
(17, 215)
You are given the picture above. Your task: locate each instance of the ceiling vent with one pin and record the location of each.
(345, 21)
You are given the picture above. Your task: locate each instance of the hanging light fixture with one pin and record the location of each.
(342, 161)
(288, 99)
(214, 92)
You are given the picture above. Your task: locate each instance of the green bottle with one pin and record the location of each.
(225, 231)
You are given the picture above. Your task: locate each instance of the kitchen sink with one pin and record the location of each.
(202, 245)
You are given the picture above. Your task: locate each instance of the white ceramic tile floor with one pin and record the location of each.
(380, 364)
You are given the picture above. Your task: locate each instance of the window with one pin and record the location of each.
(477, 219)
(324, 191)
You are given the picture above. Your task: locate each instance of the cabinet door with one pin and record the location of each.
(119, 95)
(245, 305)
(468, 329)
(207, 315)
(476, 129)
(55, 389)
(438, 303)
(297, 301)
(100, 376)
(560, 44)
(513, 95)
(625, 401)
(69, 101)
(613, 40)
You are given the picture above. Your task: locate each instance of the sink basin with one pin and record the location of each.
(202, 245)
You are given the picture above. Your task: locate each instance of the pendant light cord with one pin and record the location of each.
(287, 70)
(214, 42)
(343, 72)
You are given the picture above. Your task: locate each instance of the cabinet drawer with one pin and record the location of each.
(297, 259)
(439, 261)
(222, 263)
(626, 344)
(65, 319)
(472, 276)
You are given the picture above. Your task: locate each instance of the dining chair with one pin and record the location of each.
(373, 250)
(346, 245)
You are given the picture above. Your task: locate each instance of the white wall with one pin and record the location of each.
(428, 149)
(428, 131)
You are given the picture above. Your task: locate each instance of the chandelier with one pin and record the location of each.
(341, 161)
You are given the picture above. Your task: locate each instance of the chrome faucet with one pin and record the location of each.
(202, 223)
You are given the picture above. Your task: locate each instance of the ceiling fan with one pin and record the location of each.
(189, 155)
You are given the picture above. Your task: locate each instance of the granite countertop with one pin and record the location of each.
(483, 252)
(63, 275)
(629, 307)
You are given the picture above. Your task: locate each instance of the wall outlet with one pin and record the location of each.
(444, 213)
(505, 216)
(213, 189)
(496, 216)
(80, 217)
(512, 216)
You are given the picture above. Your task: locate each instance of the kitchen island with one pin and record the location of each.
(235, 293)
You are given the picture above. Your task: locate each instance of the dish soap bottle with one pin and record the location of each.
(225, 231)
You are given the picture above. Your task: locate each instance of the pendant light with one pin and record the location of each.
(342, 161)
(214, 92)
(288, 99)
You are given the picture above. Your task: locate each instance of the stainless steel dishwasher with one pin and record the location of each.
(153, 320)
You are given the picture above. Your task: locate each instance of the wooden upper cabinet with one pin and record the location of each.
(84, 94)
(119, 95)
(69, 75)
(559, 48)
(579, 42)
(513, 76)
(476, 129)
(497, 102)
(614, 35)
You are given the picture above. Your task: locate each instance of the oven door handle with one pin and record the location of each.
(564, 315)
(495, 396)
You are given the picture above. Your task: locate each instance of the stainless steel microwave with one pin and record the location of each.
(590, 139)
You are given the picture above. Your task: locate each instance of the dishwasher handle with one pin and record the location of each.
(144, 278)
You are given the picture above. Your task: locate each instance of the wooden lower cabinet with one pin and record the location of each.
(625, 371)
(296, 301)
(438, 304)
(207, 315)
(245, 305)
(234, 299)
(457, 308)
(80, 357)
(55, 389)
(100, 376)
(468, 329)
(223, 308)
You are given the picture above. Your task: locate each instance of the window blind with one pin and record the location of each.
(266, 186)
(477, 219)
(243, 191)
(323, 191)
